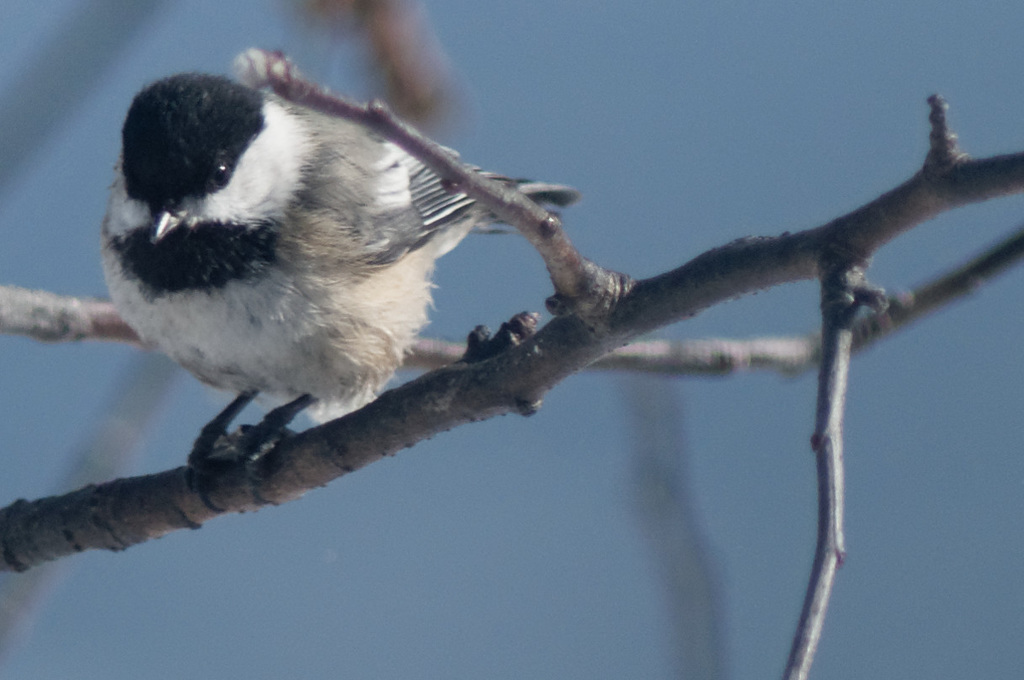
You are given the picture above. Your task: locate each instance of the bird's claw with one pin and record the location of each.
(216, 451)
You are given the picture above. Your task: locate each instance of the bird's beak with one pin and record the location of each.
(165, 222)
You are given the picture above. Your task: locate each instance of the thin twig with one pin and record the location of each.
(842, 291)
(581, 287)
(712, 356)
(829, 549)
(941, 291)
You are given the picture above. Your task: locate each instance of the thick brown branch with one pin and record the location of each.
(125, 512)
(128, 511)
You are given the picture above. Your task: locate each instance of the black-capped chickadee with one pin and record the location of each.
(270, 248)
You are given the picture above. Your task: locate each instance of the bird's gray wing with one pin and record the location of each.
(404, 204)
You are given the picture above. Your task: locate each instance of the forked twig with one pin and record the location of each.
(842, 291)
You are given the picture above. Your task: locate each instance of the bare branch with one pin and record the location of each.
(47, 317)
(843, 290)
(944, 151)
(56, 318)
(59, 318)
(793, 355)
(129, 511)
(712, 356)
(939, 292)
(715, 356)
(839, 294)
(581, 287)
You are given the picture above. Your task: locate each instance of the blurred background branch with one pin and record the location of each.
(65, 70)
(404, 54)
(669, 521)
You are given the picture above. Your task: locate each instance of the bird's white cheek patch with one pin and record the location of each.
(266, 175)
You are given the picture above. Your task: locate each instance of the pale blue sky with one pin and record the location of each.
(510, 549)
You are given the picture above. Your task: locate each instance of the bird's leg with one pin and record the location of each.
(259, 438)
(201, 460)
(215, 451)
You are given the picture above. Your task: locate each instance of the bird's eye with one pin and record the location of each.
(220, 177)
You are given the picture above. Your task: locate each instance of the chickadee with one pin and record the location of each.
(270, 248)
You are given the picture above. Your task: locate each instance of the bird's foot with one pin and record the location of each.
(481, 345)
(216, 452)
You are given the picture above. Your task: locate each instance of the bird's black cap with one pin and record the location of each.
(183, 136)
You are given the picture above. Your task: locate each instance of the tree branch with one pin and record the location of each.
(59, 318)
(581, 287)
(128, 511)
(904, 310)
(842, 291)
